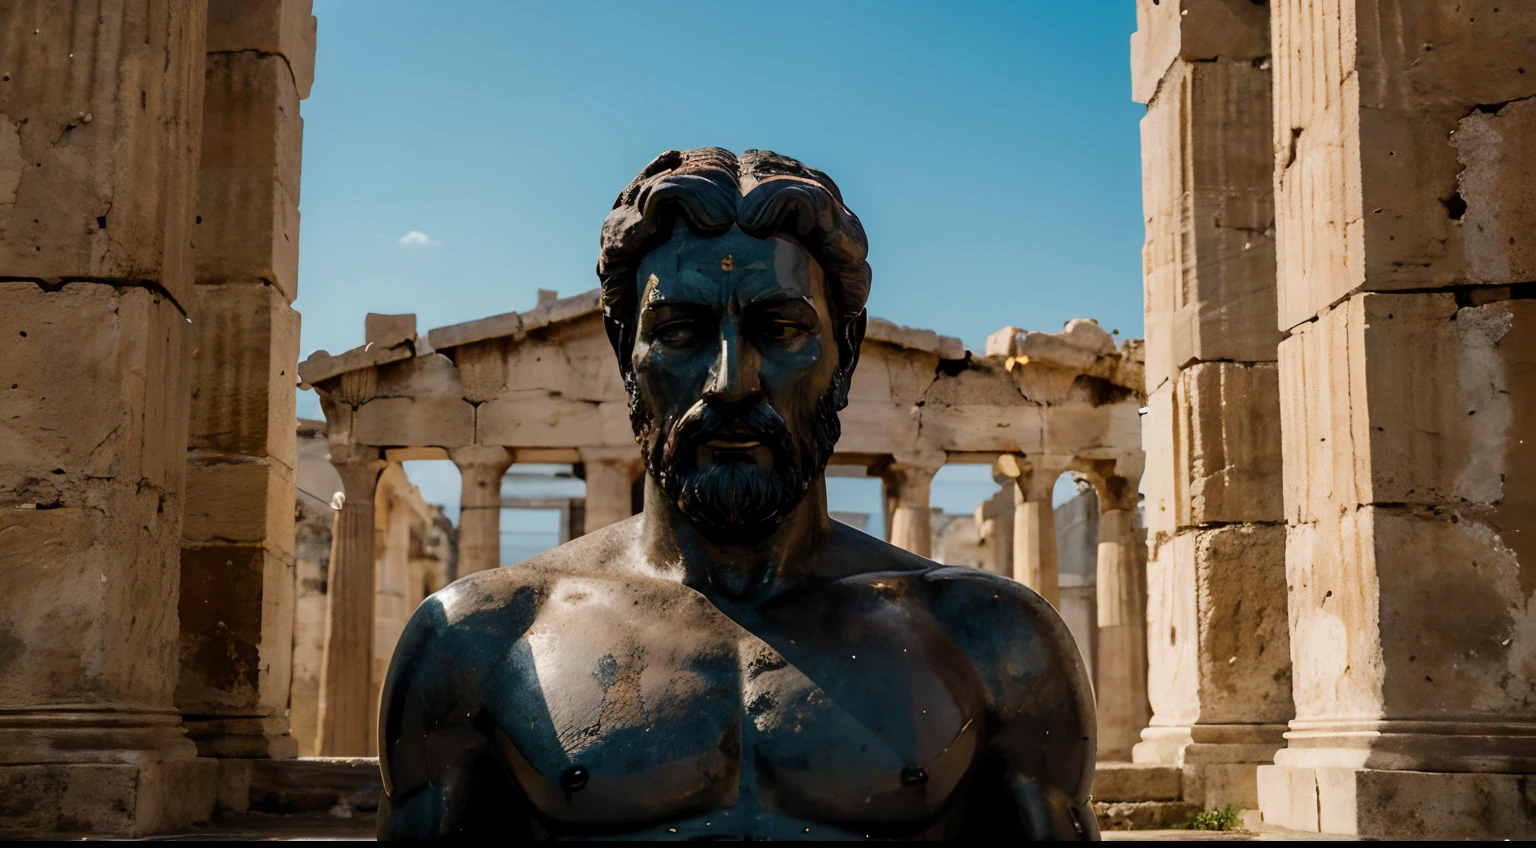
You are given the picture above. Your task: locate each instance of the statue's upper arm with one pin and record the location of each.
(1039, 758)
(428, 740)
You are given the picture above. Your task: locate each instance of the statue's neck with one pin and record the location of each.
(742, 568)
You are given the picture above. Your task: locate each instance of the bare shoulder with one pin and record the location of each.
(1019, 643)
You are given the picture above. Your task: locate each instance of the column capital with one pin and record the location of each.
(1034, 474)
(618, 456)
(1115, 492)
(481, 456)
(929, 460)
(359, 469)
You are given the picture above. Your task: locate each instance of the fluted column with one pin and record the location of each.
(1121, 672)
(237, 558)
(481, 468)
(1034, 521)
(910, 479)
(99, 148)
(610, 475)
(346, 670)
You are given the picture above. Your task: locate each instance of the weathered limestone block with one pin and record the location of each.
(1219, 643)
(1083, 429)
(127, 800)
(95, 387)
(106, 561)
(1192, 30)
(538, 421)
(1366, 182)
(1207, 194)
(246, 343)
(1412, 614)
(1392, 804)
(1226, 446)
(1160, 508)
(432, 375)
(1497, 183)
(248, 211)
(236, 633)
(282, 28)
(102, 116)
(575, 362)
(482, 368)
(436, 421)
(1409, 399)
(389, 330)
(240, 500)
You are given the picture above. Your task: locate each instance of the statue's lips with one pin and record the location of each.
(732, 444)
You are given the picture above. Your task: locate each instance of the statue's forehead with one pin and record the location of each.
(713, 268)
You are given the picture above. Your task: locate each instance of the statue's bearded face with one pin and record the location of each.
(736, 378)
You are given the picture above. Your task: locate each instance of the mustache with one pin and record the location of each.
(705, 420)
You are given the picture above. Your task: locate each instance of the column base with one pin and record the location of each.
(242, 738)
(1161, 746)
(1398, 804)
(106, 799)
(1219, 762)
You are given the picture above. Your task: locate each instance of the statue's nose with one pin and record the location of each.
(733, 377)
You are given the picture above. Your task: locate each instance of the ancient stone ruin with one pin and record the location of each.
(1320, 611)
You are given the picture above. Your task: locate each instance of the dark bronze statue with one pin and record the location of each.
(732, 663)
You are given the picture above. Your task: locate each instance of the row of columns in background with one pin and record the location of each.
(610, 478)
(347, 675)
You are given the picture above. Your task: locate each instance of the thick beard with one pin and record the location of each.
(736, 495)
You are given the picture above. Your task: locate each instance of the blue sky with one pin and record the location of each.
(990, 149)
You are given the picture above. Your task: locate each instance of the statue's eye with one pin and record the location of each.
(783, 331)
(676, 333)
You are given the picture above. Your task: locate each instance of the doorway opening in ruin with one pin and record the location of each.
(543, 506)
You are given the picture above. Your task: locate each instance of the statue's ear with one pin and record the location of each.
(849, 342)
(621, 337)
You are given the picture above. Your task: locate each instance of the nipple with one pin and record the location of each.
(573, 779)
(914, 775)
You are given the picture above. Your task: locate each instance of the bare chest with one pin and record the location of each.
(613, 717)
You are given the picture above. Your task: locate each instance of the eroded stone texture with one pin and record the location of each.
(1368, 147)
(98, 183)
(1218, 676)
(238, 557)
(103, 115)
(1192, 31)
(248, 209)
(1403, 164)
(1209, 257)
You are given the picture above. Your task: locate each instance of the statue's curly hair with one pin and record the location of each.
(712, 189)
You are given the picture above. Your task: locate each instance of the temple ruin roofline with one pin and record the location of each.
(544, 382)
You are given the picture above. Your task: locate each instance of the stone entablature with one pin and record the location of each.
(543, 382)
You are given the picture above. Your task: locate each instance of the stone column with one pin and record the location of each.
(346, 669)
(1406, 202)
(610, 474)
(1120, 674)
(909, 479)
(1034, 521)
(1219, 667)
(237, 559)
(100, 125)
(481, 468)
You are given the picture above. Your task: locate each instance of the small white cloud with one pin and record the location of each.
(417, 237)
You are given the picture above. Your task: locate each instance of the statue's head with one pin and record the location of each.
(733, 294)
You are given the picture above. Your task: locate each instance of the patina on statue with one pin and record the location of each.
(732, 663)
